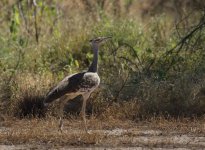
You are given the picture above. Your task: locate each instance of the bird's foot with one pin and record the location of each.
(88, 132)
(60, 130)
(86, 129)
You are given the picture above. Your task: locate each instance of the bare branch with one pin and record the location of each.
(35, 21)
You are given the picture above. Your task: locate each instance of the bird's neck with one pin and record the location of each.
(94, 66)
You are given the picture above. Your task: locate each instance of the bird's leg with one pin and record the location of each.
(61, 112)
(84, 114)
(85, 97)
(60, 126)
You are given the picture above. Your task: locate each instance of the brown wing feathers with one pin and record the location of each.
(67, 85)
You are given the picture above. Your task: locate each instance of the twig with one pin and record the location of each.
(127, 60)
(131, 48)
(22, 15)
(185, 38)
(35, 19)
(121, 88)
(16, 66)
(178, 47)
(177, 24)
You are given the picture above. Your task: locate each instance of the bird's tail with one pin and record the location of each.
(50, 97)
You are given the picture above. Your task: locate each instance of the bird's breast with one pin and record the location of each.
(90, 82)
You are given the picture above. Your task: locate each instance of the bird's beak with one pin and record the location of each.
(105, 38)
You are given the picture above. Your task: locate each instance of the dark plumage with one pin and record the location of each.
(76, 84)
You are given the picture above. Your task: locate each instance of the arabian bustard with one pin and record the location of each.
(83, 83)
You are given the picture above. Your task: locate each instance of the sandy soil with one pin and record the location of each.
(43, 134)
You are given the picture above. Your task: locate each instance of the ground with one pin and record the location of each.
(156, 133)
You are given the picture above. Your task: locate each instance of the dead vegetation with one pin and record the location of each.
(156, 132)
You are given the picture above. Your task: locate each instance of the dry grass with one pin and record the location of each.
(156, 132)
(28, 91)
(43, 131)
(46, 131)
(154, 99)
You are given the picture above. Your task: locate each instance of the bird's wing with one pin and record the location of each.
(69, 84)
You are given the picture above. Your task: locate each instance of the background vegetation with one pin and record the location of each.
(154, 65)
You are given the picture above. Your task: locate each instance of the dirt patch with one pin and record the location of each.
(44, 134)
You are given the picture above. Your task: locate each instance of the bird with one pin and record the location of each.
(83, 83)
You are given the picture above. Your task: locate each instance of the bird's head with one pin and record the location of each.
(97, 41)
